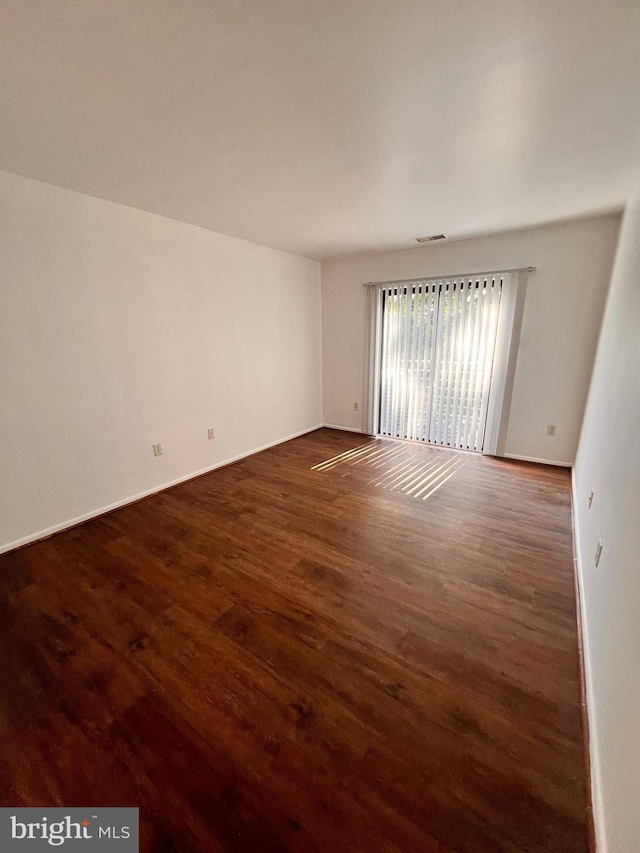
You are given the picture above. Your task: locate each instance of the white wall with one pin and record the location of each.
(118, 329)
(608, 462)
(563, 312)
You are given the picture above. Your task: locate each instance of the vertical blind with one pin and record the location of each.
(437, 345)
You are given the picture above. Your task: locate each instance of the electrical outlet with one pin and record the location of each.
(551, 429)
(157, 450)
(211, 433)
(590, 498)
(598, 552)
(356, 407)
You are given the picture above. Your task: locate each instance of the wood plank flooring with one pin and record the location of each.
(290, 655)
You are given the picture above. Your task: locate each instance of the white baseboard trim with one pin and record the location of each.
(537, 459)
(72, 522)
(337, 426)
(594, 760)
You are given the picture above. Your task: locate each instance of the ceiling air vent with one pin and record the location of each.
(430, 239)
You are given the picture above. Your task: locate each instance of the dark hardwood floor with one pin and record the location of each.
(378, 654)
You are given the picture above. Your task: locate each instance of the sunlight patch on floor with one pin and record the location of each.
(412, 473)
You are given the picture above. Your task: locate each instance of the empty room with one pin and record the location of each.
(319, 418)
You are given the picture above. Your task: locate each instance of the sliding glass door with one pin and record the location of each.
(437, 342)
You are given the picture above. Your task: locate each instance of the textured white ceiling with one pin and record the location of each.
(327, 126)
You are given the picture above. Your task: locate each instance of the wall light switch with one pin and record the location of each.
(157, 450)
(598, 552)
(551, 429)
(211, 433)
(356, 407)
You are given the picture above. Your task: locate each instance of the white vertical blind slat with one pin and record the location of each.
(477, 359)
(425, 354)
(478, 367)
(386, 365)
(431, 360)
(391, 365)
(467, 345)
(434, 365)
(494, 307)
(474, 334)
(451, 366)
(442, 365)
(415, 361)
(400, 339)
(395, 362)
(407, 330)
(383, 368)
(459, 362)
